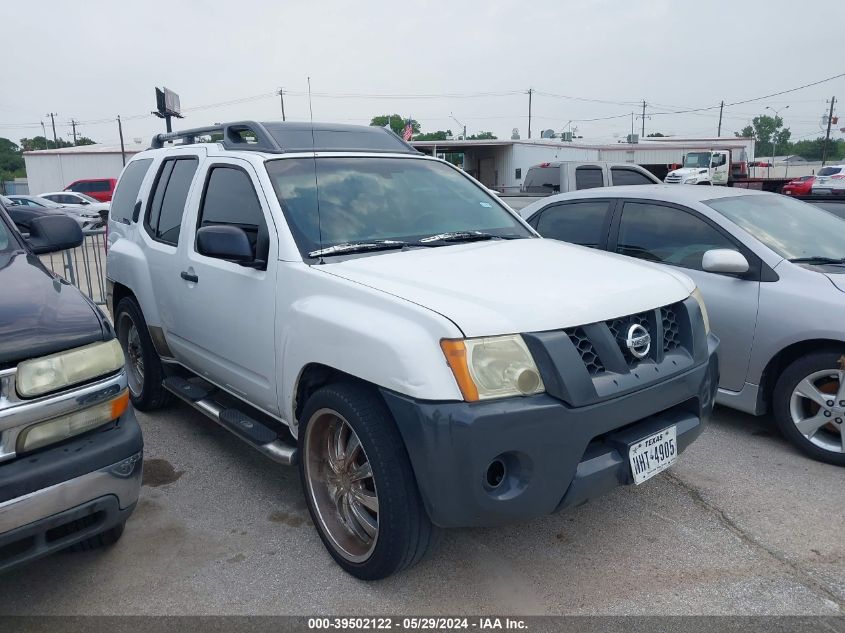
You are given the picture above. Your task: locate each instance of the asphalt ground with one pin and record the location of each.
(741, 524)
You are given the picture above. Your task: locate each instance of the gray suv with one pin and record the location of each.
(772, 273)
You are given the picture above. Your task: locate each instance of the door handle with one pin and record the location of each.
(189, 277)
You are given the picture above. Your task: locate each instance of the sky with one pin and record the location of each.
(430, 60)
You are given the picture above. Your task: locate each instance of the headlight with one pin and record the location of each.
(697, 295)
(75, 423)
(50, 373)
(493, 367)
(690, 181)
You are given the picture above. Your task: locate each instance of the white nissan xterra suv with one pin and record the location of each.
(342, 302)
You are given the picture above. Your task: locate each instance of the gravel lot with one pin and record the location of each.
(741, 525)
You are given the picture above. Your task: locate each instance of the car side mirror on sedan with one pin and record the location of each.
(724, 260)
(51, 233)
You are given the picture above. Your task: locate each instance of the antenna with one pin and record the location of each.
(314, 158)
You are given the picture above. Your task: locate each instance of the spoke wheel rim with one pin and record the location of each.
(130, 341)
(817, 408)
(341, 485)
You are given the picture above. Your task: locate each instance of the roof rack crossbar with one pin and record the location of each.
(232, 136)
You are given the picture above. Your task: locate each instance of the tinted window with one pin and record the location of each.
(588, 177)
(624, 176)
(100, 185)
(665, 234)
(829, 171)
(80, 186)
(542, 180)
(230, 198)
(126, 194)
(171, 193)
(577, 222)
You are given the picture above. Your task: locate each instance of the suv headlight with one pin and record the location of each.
(64, 369)
(696, 294)
(492, 367)
(691, 181)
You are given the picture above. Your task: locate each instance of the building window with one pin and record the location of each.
(518, 173)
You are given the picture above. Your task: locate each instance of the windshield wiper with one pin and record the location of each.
(358, 247)
(459, 236)
(818, 260)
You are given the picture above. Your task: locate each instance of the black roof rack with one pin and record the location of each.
(277, 137)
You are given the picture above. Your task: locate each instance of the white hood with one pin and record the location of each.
(685, 172)
(527, 285)
(838, 280)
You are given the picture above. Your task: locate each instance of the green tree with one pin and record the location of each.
(766, 129)
(40, 142)
(84, 140)
(439, 135)
(11, 160)
(482, 136)
(655, 135)
(397, 123)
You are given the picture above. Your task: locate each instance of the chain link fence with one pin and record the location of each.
(85, 265)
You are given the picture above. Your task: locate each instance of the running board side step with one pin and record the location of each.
(259, 436)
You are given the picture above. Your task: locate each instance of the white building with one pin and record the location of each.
(502, 164)
(54, 169)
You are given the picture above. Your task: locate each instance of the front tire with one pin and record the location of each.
(809, 405)
(144, 372)
(359, 484)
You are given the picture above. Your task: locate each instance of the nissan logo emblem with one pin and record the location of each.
(638, 341)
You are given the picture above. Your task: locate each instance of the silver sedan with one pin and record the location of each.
(772, 273)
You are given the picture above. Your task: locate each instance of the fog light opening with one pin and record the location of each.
(496, 473)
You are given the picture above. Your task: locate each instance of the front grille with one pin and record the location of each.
(586, 350)
(671, 328)
(619, 329)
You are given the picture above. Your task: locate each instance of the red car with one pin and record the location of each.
(99, 188)
(802, 186)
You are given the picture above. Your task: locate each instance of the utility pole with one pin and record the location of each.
(721, 108)
(282, 97)
(122, 149)
(530, 92)
(73, 125)
(52, 116)
(643, 132)
(827, 136)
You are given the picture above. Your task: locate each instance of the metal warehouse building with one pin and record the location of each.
(54, 169)
(502, 164)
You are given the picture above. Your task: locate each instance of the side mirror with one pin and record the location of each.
(51, 233)
(724, 260)
(225, 242)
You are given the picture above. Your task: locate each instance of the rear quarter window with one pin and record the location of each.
(128, 188)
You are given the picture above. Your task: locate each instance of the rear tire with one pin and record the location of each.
(359, 484)
(801, 400)
(143, 365)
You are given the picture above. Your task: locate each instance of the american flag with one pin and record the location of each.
(408, 132)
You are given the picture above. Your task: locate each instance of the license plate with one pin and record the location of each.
(653, 454)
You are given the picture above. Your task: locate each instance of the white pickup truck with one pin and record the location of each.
(341, 302)
(547, 179)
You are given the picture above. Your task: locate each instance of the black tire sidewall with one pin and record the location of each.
(402, 517)
(152, 394)
(786, 383)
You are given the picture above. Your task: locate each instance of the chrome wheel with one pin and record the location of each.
(132, 351)
(817, 408)
(339, 480)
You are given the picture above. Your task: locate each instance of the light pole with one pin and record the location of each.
(452, 116)
(775, 133)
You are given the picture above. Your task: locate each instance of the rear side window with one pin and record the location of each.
(583, 223)
(588, 177)
(100, 185)
(627, 176)
(82, 187)
(164, 217)
(126, 194)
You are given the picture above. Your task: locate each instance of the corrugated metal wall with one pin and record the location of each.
(54, 172)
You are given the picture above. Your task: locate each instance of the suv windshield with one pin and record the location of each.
(364, 199)
(791, 228)
(697, 159)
